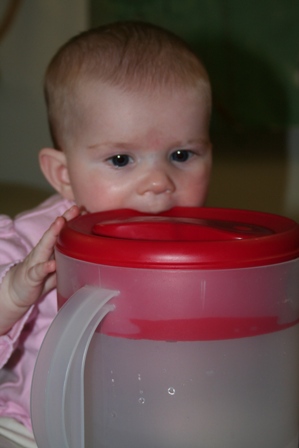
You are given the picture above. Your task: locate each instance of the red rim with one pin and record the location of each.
(226, 238)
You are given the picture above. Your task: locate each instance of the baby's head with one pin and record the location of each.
(125, 100)
(129, 55)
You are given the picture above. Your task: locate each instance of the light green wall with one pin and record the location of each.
(251, 50)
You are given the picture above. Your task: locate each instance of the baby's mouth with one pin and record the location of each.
(154, 208)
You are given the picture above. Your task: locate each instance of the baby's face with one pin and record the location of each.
(144, 151)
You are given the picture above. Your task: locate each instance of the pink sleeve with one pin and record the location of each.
(12, 251)
(9, 341)
(19, 347)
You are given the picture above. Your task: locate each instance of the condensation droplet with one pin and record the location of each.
(139, 377)
(171, 390)
(113, 414)
(112, 379)
(141, 400)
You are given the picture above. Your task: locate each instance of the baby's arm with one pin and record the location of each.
(25, 282)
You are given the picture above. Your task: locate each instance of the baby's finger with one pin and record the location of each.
(49, 238)
(43, 251)
(71, 213)
(39, 272)
(50, 283)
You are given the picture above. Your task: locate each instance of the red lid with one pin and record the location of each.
(181, 238)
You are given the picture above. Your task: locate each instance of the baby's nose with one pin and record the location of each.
(156, 181)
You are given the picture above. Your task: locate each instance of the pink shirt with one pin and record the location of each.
(19, 347)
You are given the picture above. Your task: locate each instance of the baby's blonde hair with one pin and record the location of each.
(129, 55)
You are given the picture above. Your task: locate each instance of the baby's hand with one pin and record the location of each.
(35, 275)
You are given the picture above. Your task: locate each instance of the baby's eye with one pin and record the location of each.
(181, 155)
(120, 160)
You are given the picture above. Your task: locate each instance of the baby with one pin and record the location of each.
(129, 107)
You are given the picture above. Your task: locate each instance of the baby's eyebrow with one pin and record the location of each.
(198, 141)
(127, 146)
(116, 145)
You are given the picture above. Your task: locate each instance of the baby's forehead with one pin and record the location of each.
(90, 89)
(107, 113)
(100, 104)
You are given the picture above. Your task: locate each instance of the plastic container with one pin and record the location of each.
(176, 330)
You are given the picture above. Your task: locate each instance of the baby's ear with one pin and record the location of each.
(53, 164)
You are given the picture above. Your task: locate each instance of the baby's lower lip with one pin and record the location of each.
(153, 209)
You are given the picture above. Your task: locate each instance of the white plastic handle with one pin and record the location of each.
(57, 393)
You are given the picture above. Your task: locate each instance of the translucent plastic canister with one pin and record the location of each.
(177, 330)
